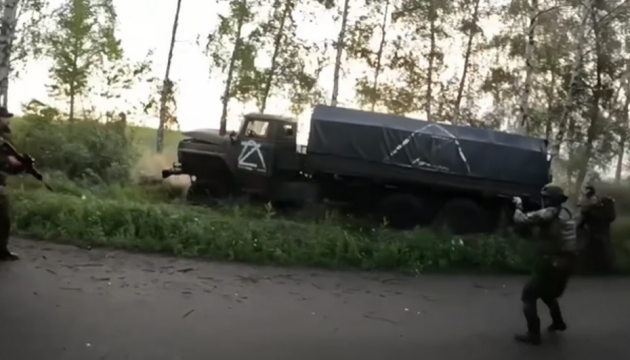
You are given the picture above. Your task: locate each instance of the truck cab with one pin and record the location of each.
(255, 160)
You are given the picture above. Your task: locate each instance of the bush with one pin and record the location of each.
(190, 231)
(83, 150)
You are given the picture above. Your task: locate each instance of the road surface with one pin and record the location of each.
(60, 302)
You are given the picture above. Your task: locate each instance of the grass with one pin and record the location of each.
(196, 232)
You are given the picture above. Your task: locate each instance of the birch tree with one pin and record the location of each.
(7, 34)
(471, 27)
(576, 66)
(237, 59)
(608, 68)
(288, 73)
(359, 47)
(20, 37)
(82, 39)
(427, 19)
(167, 84)
(339, 45)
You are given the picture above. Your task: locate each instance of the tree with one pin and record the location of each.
(117, 81)
(156, 106)
(471, 27)
(361, 34)
(427, 19)
(607, 68)
(240, 60)
(339, 46)
(7, 33)
(20, 37)
(288, 73)
(82, 39)
(167, 84)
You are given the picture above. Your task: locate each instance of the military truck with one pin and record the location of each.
(408, 171)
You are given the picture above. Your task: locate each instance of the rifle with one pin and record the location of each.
(27, 162)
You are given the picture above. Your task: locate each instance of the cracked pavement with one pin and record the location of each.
(61, 302)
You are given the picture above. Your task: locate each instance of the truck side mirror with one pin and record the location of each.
(232, 136)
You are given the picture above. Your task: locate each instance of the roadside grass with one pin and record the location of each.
(189, 231)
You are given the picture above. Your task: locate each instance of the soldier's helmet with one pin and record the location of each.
(553, 193)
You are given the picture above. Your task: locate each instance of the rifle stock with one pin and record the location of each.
(27, 162)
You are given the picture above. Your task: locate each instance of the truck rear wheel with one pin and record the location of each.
(402, 211)
(462, 216)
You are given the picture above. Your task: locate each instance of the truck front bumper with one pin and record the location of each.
(175, 170)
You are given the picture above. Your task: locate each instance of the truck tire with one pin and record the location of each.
(198, 194)
(206, 193)
(402, 211)
(462, 216)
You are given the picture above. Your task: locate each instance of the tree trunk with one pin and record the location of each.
(340, 47)
(7, 35)
(523, 126)
(591, 131)
(626, 120)
(620, 154)
(462, 81)
(379, 54)
(73, 98)
(575, 68)
(167, 85)
(225, 99)
(274, 57)
(433, 46)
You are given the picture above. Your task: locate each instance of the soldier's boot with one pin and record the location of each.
(557, 322)
(6, 255)
(532, 336)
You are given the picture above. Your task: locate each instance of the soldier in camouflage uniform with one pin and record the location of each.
(594, 218)
(9, 165)
(554, 266)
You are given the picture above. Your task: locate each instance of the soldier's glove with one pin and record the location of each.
(518, 202)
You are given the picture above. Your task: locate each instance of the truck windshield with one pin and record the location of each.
(256, 128)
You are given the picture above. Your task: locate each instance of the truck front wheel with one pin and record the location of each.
(206, 193)
(462, 216)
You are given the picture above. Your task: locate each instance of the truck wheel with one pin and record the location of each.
(207, 192)
(462, 216)
(402, 211)
(198, 194)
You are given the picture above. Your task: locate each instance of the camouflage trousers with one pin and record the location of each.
(597, 255)
(548, 283)
(5, 222)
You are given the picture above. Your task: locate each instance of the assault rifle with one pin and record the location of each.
(27, 161)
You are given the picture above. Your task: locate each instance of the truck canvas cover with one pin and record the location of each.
(401, 141)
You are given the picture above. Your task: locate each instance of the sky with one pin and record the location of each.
(146, 25)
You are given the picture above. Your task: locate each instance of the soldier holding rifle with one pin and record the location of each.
(555, 262)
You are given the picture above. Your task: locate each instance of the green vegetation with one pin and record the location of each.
(566, 78)
(189, 231)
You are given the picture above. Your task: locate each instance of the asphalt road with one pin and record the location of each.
(60, 302)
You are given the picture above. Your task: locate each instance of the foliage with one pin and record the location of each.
(85, 150)
(82, 39)
(152, 105)
(189, 231)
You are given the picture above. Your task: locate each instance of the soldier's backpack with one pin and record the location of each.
(605, 209)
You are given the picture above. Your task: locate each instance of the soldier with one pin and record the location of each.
(597, 213)
(554, 266)
(8, 165)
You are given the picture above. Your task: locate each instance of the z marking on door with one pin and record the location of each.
(250, 148)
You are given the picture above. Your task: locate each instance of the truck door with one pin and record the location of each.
(254, 162)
